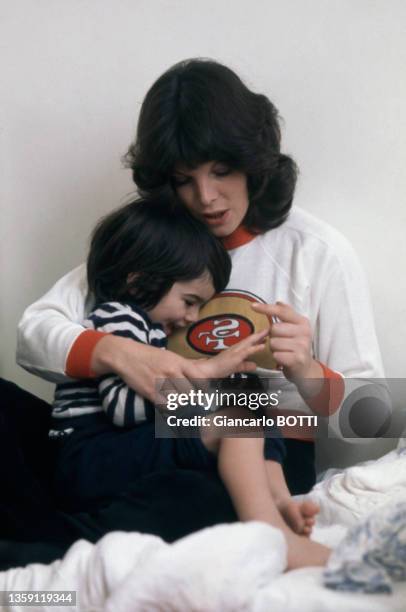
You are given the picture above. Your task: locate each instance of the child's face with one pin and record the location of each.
(181, 305)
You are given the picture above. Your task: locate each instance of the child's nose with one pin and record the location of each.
(192, 314)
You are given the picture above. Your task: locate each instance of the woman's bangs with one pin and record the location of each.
(198, 145)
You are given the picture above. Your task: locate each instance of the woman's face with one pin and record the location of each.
(214, 193)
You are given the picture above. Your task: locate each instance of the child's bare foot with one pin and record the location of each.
(299, 516)
(303, 552)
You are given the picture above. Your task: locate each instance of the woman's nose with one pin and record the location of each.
(207, 191)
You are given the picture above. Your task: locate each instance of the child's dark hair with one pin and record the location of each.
(200, 111)
(140, 250)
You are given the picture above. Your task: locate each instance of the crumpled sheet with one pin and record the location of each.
(373, 553)
(237, 567)
(218, 568)
(353, 494)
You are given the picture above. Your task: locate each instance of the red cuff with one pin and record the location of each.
(80, 354)
(331, 395)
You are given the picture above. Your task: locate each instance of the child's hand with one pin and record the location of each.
(234, 359)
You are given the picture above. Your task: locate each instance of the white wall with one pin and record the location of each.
(74, 74)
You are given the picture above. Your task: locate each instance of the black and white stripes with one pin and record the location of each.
(109, 394)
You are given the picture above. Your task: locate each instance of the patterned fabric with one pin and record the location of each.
(373, 553)
(82, 400)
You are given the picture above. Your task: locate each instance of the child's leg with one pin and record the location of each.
(242, 468)
(299, 516)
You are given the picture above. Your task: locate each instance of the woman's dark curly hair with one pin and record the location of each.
(140, 250)
(200, 111)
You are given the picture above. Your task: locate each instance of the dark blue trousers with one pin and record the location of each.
(168, 503)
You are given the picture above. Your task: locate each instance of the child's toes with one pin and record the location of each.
(309, 508)
(307, 530)
(293, 517)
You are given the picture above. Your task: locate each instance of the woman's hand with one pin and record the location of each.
(291, 341)
(141, 366)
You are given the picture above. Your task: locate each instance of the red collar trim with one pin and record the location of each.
(240, 236)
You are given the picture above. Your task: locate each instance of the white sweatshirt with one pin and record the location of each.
(304, 263)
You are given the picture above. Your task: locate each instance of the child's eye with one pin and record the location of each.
(189, 303)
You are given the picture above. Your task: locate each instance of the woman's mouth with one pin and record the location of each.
(216, 218)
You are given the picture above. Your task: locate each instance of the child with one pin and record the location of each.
(150, 268)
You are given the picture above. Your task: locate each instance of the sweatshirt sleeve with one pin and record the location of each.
(344, 335)
(50, 326)
(345, 343)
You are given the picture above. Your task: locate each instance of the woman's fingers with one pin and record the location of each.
(282, 311)
(283, 330)
(298, 345)
(286, 359)
(290, 338)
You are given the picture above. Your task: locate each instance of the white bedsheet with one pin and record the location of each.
(223, 568)
(352, 494)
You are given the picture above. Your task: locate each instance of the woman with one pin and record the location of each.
(204, 135)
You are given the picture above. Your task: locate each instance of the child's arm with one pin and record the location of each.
(123, 406)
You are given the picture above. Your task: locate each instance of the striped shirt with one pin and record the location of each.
(82, 402)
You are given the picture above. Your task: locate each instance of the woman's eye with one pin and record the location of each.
(222, 170)
(189, 303)
(179, 181)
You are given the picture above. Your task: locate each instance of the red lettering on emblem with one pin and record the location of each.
(218, 332)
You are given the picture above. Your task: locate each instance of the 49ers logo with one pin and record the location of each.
(216, 333)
